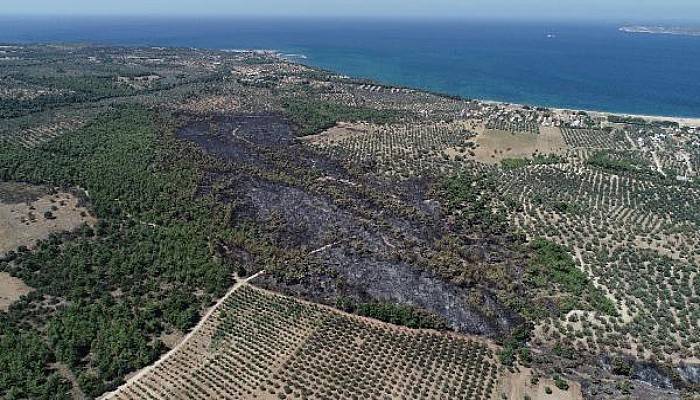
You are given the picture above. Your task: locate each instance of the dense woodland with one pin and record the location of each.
(312, 116)
(151, 245)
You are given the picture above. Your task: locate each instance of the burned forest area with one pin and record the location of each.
(341, 236)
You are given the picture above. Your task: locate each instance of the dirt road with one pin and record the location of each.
(187, 337)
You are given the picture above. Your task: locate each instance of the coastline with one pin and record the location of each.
(473, 58)
(292, 57)
(660, 30)
(691, 122)
(682, 121)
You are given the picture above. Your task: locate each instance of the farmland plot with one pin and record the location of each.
(266, 346)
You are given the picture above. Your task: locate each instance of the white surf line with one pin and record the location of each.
(187, 337)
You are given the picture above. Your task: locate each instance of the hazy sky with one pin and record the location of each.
(580, 9)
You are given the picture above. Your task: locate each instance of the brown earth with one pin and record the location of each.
(517, 385)
(496, 145)
(198, 367)
(11, 289)
(341, 131)
(25, 223)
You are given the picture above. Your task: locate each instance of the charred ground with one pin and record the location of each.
(346, 238)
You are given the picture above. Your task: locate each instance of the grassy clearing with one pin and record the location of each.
(23, 224)
(497, 145)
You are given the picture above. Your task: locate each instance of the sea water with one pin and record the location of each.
(578, 65)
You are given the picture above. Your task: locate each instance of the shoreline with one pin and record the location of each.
(660, 30)
(683, 121)
(691, 122)
(293, 57)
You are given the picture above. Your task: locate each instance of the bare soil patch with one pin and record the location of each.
(496, 145)
(518, 385)
(337, 133)
(172, 339)
(27, 215)
(11, 289)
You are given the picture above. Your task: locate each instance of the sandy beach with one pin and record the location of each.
(682, 121)
(692, 122)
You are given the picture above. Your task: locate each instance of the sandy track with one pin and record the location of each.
(184, 341)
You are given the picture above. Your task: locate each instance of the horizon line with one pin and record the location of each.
(385, 17)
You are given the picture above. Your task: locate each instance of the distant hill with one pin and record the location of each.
(661, 30)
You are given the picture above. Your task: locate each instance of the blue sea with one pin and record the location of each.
(570, 65)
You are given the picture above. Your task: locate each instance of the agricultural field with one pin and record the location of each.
(642, 250)
(260, 345)
(494, 146)
(31, 131)
(594, 139)
(415, 245)
(631, 225)
(514, 127)
(403, 150)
